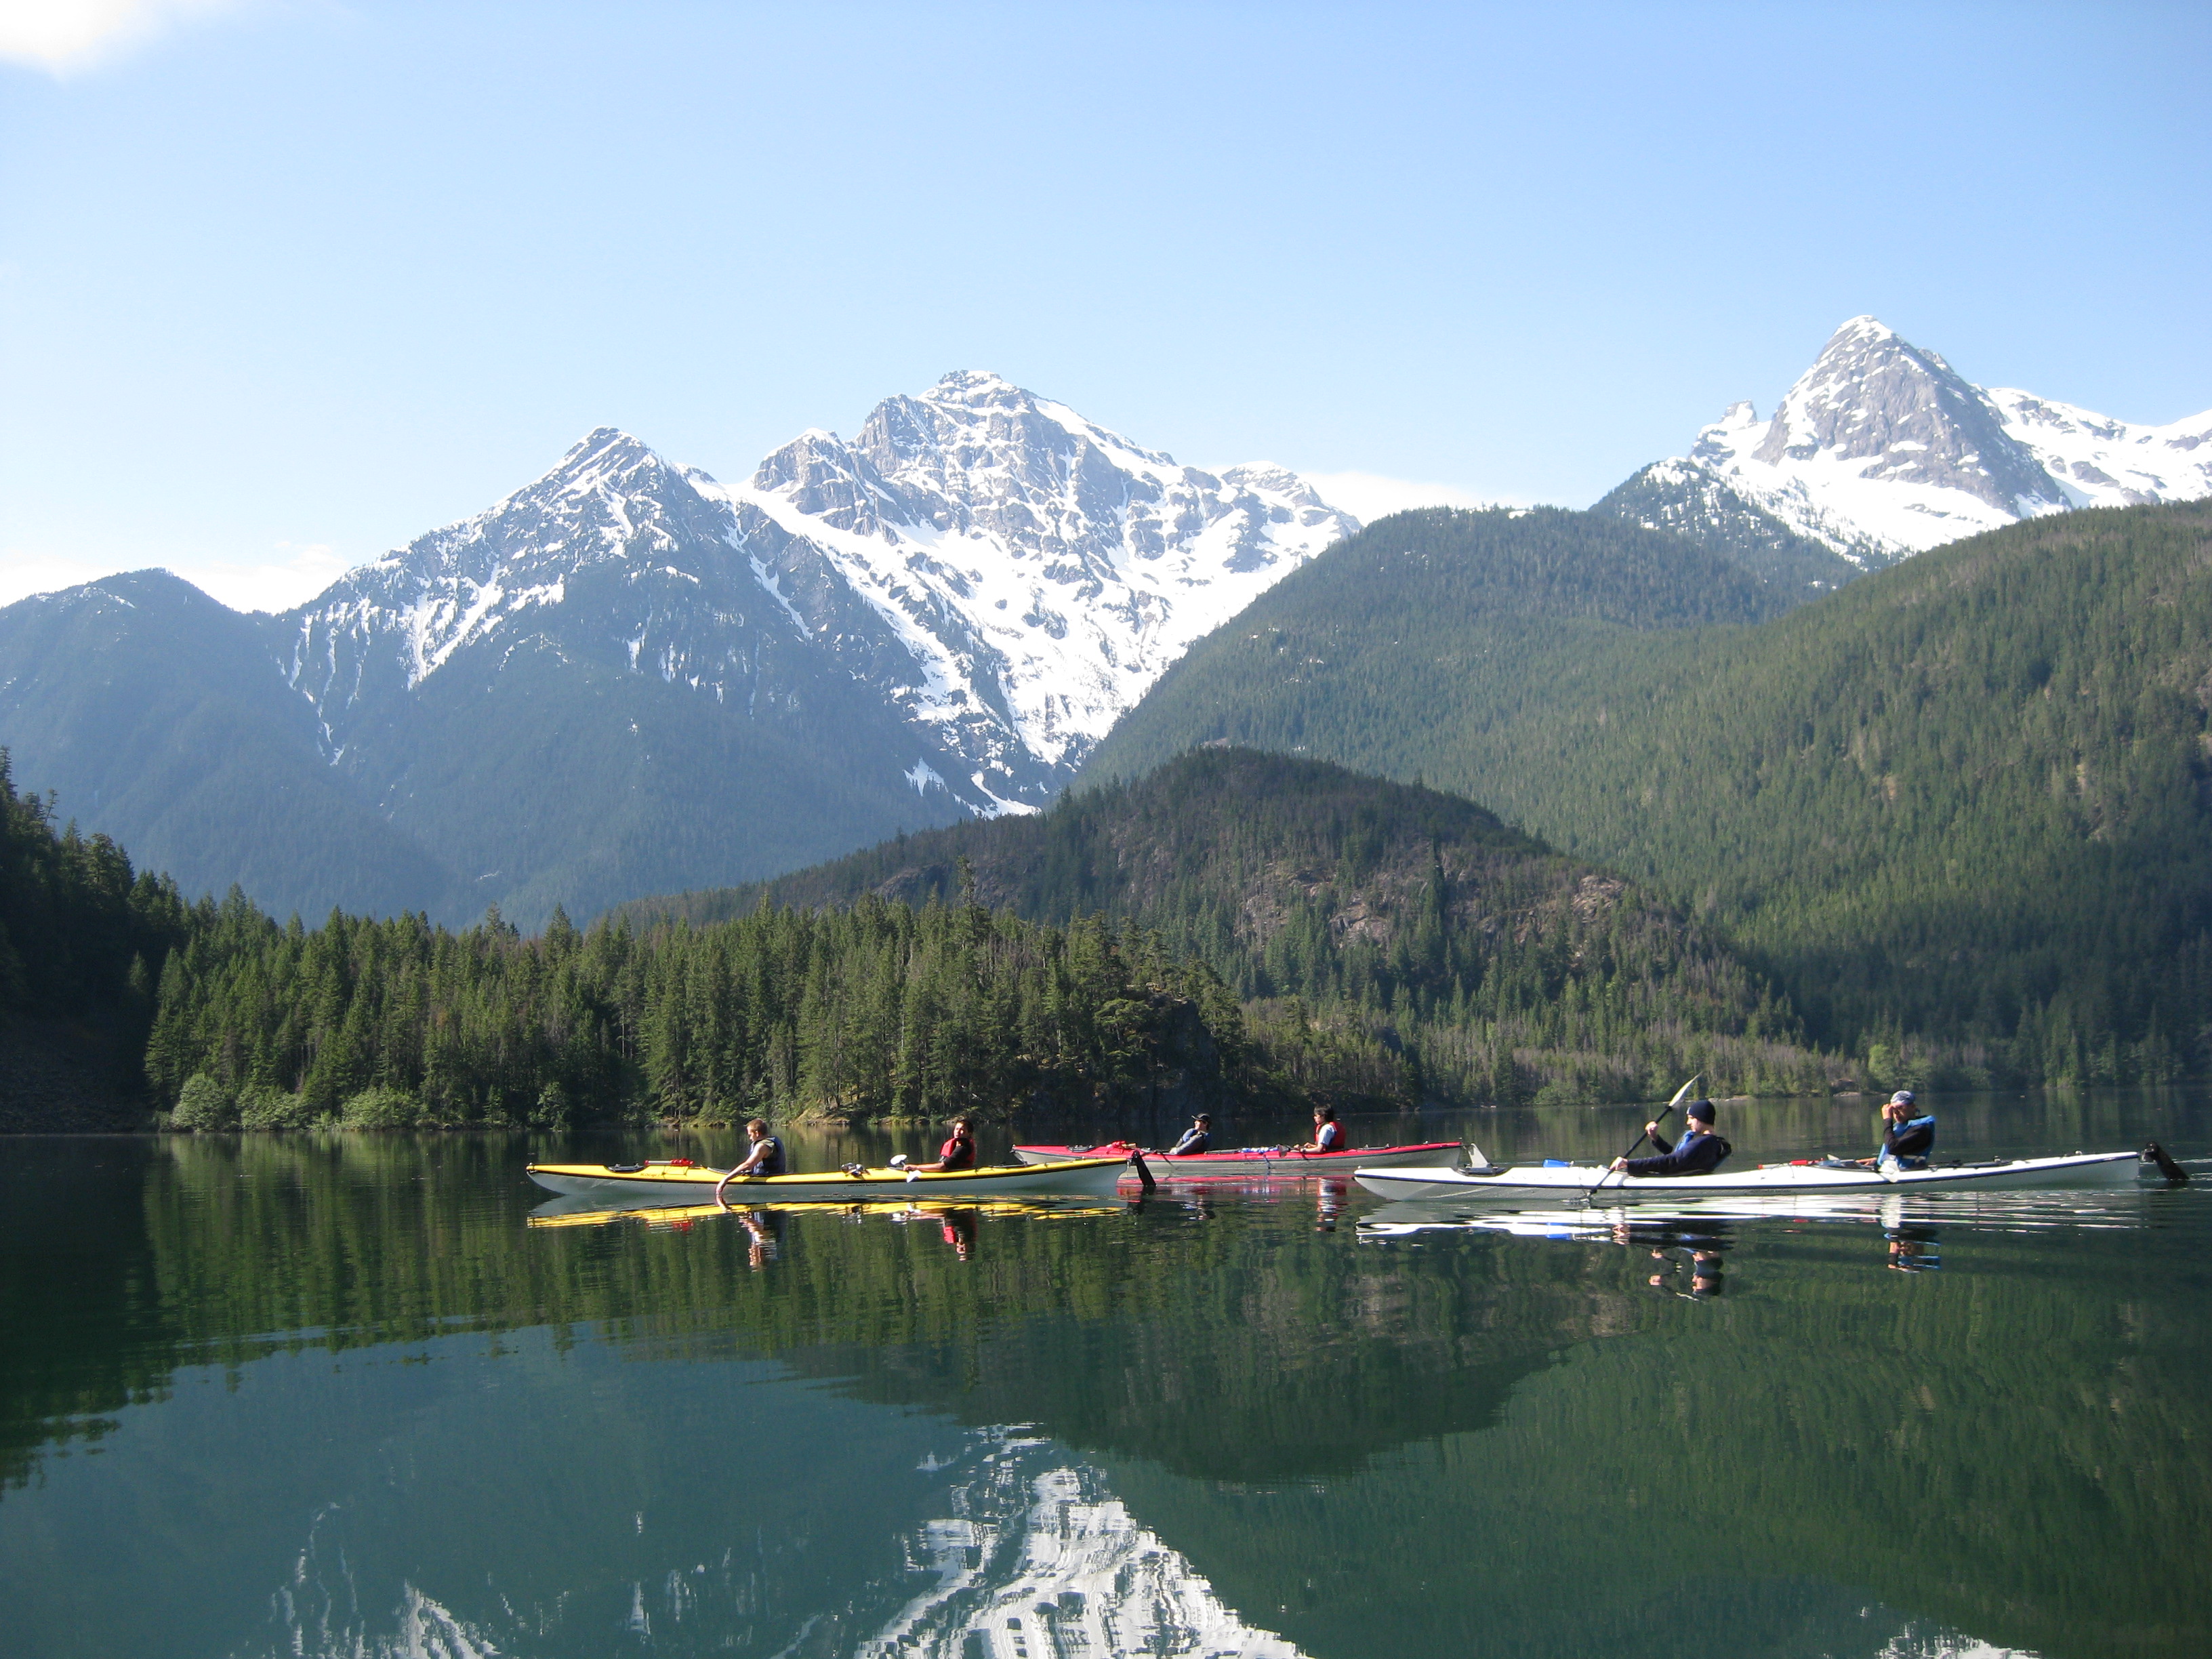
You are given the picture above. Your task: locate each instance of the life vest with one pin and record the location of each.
(773, 1163)
(1329, 1138)
(1917, 1157)
(958, 1154)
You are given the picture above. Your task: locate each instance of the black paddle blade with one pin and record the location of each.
(1144, 1174)
(2154, 1153)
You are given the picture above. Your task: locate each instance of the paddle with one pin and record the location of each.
(1680, 1095)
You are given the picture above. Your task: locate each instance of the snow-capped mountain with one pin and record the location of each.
(1882, 449)
(627, 678)
(1004, 574)
(1038, 571)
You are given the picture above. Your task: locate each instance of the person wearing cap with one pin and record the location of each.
(1908, 1134)
(1195, 1140)
(1698, 1153)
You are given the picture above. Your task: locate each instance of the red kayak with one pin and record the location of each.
(1276, 1162)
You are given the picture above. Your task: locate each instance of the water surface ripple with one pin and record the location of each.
(339, 1394)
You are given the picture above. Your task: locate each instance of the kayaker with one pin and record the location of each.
(1195, 1140)
(766, 1156)
(1328, 1134)
(958, 1153)
(1908, 1134)
(1698, 1153)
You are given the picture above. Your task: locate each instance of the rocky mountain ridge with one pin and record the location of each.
(629, 677)
(1881, 449)
(1004, 574)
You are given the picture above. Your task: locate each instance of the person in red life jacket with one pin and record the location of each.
(1328, 1133)
(766, 1156)
(1195, 1140)
(1698, 1153)
(958, 1153)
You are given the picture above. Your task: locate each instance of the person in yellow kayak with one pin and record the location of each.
(958, 1153)
(766, 1156)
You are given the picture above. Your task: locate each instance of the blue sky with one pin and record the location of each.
(283, 284)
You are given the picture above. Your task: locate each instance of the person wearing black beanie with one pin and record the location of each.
(1698, 1153)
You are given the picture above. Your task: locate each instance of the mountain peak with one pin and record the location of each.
(1882, 449)
(972, 385)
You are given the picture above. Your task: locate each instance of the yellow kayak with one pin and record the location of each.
(678, 1181)
(582, 1212)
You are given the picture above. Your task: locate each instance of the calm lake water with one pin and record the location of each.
(338, 1395)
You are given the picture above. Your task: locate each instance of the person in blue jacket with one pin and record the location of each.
(1698, 1153)
(1908, 1134)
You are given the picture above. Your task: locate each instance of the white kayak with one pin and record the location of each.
(679, 1181)
(1824, 1175)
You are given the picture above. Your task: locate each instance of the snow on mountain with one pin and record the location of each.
(1006, 576)
(1882, 449)
(1037, 1558)
(1040, 571)
(2102, 462)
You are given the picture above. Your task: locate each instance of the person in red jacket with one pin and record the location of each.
(1328, 1133)
(958, 1153)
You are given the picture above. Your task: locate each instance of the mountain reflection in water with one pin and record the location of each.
(339, 1395)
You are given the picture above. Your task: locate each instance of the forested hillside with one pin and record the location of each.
(81, 937)
(1959, 808)
(1387, 941)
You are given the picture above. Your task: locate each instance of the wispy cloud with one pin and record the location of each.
(61, 35)
(1369, 496)
(296, 571)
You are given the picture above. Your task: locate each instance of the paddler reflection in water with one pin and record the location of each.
(1706, 1279)
(959, 1228)
(1698, 1153)
(766, 1156)
(1913, 1248)
(764, 1233)
(1705, 1249)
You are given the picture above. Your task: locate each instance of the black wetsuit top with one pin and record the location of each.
(1194, 1140)
(1698, 1153)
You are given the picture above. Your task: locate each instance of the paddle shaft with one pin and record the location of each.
(1665, 1112)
